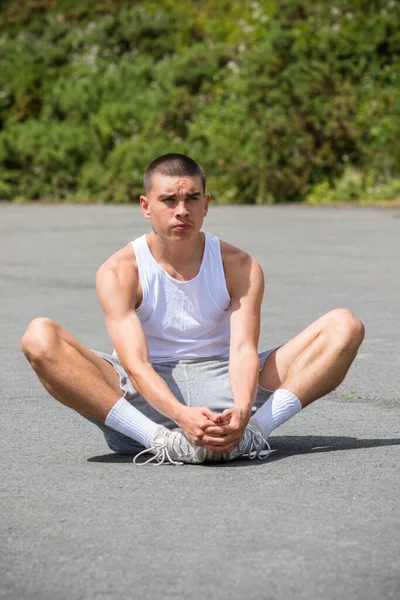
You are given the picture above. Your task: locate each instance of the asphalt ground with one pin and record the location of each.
(318, 520)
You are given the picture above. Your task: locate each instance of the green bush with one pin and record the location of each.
(355, 186)
(278, 101)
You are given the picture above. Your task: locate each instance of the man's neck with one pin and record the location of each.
(179, 255)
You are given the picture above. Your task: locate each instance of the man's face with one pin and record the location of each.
(176, 206)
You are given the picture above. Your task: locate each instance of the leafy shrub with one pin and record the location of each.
(354, 186)
(278, 101)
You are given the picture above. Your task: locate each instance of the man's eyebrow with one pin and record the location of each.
(172, 195)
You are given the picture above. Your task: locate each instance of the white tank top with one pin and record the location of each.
(184, 319)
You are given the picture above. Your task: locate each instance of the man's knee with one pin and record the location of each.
(349, 331)
(39, 339)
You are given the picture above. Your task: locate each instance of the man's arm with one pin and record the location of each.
(247, 293)
(117, 284)
(245, 283)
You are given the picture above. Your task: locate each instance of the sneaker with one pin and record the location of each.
(173, 447)
(253, 444)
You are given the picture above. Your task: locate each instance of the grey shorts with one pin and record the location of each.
(196, 382)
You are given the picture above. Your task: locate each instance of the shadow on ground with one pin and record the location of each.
(283, 446)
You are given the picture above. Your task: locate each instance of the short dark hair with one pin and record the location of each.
(173, 165)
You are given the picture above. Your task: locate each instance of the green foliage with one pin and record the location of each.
(355, 185)
(276, 100)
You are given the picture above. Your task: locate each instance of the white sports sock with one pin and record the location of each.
(279, 407)
(127, 419)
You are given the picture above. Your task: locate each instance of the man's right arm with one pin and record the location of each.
(117, 285)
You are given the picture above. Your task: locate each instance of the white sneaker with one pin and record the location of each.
(173, 447)
(252, 444)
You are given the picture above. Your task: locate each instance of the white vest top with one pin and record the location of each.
(184, 319)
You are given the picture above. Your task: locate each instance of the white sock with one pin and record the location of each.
(279, 407)
(127, 419)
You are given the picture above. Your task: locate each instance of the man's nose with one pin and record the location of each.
(182, 209)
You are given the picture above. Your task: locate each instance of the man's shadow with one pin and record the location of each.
(281, 446)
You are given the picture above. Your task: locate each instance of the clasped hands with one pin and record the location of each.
(219, 432)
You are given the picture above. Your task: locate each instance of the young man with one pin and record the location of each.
(185, 382)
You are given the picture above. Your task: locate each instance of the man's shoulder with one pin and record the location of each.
(234, 256)
(120, 274)
(238, 265)
(123, 262)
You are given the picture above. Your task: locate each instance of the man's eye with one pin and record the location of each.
(173, 199)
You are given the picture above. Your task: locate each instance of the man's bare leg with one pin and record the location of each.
(85, 382)
(71, 373)
(317, 360)
(309, 366)
(82, 380)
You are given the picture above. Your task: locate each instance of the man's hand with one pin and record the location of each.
(227, 431)
(195, 419)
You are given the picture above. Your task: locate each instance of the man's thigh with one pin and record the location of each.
(277, 364)
(107, 370)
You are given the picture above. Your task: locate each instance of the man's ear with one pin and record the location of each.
(206, 204)
(145, 206)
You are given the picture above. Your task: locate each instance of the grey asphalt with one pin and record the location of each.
(318, 520)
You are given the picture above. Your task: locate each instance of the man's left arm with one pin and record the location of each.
(247, 288)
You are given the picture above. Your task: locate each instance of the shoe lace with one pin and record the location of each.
(161, 456)
(257, 445)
